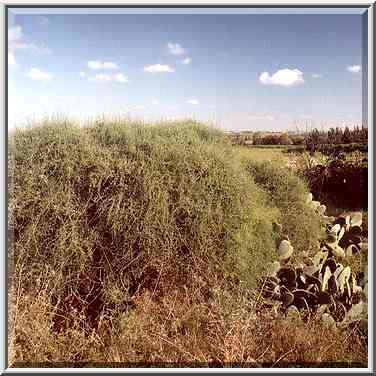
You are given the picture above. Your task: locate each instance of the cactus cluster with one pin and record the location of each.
(325, 286)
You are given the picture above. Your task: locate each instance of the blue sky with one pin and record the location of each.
(243, 71)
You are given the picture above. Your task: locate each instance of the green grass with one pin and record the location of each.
(257, 153)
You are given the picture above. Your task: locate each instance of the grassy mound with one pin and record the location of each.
(101, 213)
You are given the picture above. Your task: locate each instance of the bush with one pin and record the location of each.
(336, 150)
(273, 139)
(340, 183)
(288, 193)
(102, 213)
(297, 139)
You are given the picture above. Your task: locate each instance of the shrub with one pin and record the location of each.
(340, 149)
(340, 183)
(273, 139)
(288, 193)
(297, 139)
(104, 212)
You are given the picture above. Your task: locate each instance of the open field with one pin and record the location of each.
(264, 153)
(137, 244)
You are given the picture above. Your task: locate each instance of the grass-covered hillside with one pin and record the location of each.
(145, 243)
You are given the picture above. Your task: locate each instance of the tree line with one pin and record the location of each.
(312, 139)
(335, 136)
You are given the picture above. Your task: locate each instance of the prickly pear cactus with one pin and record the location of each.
(285, 250)
(326, 286)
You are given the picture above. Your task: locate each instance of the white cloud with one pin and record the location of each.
(11, 59)
(158, 68)
(94, 64)
(101, 78)
(176, 48)
(155, 101)
(17, 45)
(15, 33)
(316, 75)
(354, 68)
(16, 42)
(139, 107)
(186, 61)
(36, 74)
(283, 77)
(82, 74)
(15, 39)
(110, 65)
(120, 78)
(105, 78)
(192, 101)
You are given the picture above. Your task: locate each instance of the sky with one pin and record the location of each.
(239, 71)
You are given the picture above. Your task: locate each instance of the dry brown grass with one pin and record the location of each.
(177, 331)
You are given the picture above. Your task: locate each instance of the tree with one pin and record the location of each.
(284, 139)
(364, 134)
(346, 137)
(338, 135)
(331, 136)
